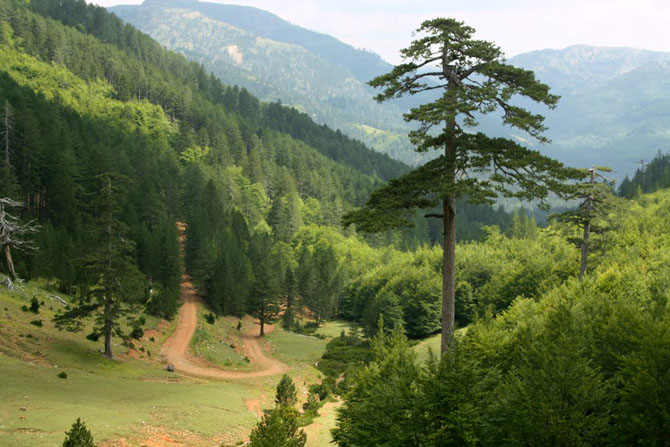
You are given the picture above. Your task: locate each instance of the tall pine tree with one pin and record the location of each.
(474, 80)
(115, 283)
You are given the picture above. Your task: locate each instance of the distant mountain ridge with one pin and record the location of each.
(614, 110)
(364, 65)
(579, 67)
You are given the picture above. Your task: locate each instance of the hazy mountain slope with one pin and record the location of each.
(279, 61)
(615, 105)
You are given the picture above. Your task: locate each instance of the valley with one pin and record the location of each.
(215, 232)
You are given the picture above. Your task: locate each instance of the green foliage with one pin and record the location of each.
(378, 409)
(575, 364)
(278, 428)
(345, 356)
(286, 392)
(62, 375)
(78, 436)
(34, 305)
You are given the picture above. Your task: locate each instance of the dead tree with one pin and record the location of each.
(13, 233)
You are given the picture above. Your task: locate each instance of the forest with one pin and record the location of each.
(125, 166)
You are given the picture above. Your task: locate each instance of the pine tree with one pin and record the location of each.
(591, 215)
(322, 296)
(115, 281)
(78, 436)
(286, 392)
(474, 80)
(265, 295)
(279, 428)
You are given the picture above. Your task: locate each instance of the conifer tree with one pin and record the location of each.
(591, 215)
(78, 436)
(115, 284)
(265, 294)
(279, 428)
(473, 79)
(286, 392)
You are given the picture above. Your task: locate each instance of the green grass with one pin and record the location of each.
(318, 434)
(213, 342)
(432, 343)
(113, 407)
(334, 328)
(125, 397)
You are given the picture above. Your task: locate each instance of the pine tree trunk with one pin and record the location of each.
(449, 222)
(108, 330)
(448, 272)
(262, 327)
(10, 263)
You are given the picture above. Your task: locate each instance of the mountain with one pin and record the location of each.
(614, 108)
(278, 61)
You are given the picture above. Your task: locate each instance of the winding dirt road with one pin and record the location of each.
(175, 348)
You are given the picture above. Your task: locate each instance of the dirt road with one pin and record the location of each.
(175, 348)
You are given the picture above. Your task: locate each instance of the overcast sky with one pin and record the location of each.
(385, 26)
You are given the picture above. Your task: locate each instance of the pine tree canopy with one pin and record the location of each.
(475, 81)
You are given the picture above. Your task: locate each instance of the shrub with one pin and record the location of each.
(34, 306)
(62, 375)
(93, 336)
(137, 333)
(210, 318)
(37, 323)
(78, 436)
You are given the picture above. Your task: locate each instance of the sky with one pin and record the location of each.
(517, 26)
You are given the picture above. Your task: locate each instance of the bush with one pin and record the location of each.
(93, 336)
(78, 436)
(210, 318)
(34, 306)
(37, 323)
(62, 375)
(137, 333)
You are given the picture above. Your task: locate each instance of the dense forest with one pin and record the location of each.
(88, 99)
(648, 178)
(563, 363)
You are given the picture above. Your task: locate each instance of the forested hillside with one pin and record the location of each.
(276, 60)
(649, 177)
(80, 107)
(557, 362)
(96, 112)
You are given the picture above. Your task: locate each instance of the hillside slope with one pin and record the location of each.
(278, 61)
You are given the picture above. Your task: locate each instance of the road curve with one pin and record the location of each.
(175, 348)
